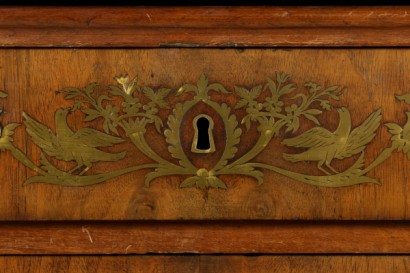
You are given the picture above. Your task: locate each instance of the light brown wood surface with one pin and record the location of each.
(204, 26)
(372, 78)
(205, 264)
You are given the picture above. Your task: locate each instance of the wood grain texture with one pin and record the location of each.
(373, 77)
(31, 78)
(205, 264)
(229, 237)
(204, 26)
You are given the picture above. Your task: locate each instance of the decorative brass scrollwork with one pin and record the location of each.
(140, 108)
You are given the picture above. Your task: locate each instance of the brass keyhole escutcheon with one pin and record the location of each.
(203, 139)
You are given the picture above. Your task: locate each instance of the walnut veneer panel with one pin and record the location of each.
(372, 78)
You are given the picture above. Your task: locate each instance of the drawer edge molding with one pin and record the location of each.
(204, 26)
(234, 237)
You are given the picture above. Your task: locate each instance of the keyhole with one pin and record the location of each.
(203, 140)
(203, 136)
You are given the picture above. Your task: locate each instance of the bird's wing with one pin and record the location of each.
(316, 137)
(93, 138)
(361, 135)
(43, 137)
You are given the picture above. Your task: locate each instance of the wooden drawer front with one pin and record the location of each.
(291, 134)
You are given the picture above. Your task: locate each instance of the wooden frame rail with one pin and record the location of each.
(204, 26)
(234, 237)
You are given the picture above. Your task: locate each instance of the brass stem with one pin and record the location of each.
(80, 181)
(259, 146)
(139, 141)
(20, 156)
(337, 180)
(385, 154)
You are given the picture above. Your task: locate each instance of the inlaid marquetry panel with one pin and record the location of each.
(204, 134)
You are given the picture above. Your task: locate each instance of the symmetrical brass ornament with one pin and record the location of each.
(265, 107)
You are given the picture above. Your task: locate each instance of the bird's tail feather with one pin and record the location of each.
(113, 157)
(292, 157)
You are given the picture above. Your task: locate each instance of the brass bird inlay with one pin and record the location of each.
(81, 146)
(324, 146)
(272, 108)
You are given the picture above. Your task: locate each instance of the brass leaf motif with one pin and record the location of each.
(127, 109)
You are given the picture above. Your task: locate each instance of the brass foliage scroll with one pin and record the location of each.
(264, 106)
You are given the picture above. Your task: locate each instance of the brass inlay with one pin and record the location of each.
(323, 146)
(66, 145)
(140, 107)
(207, 137)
